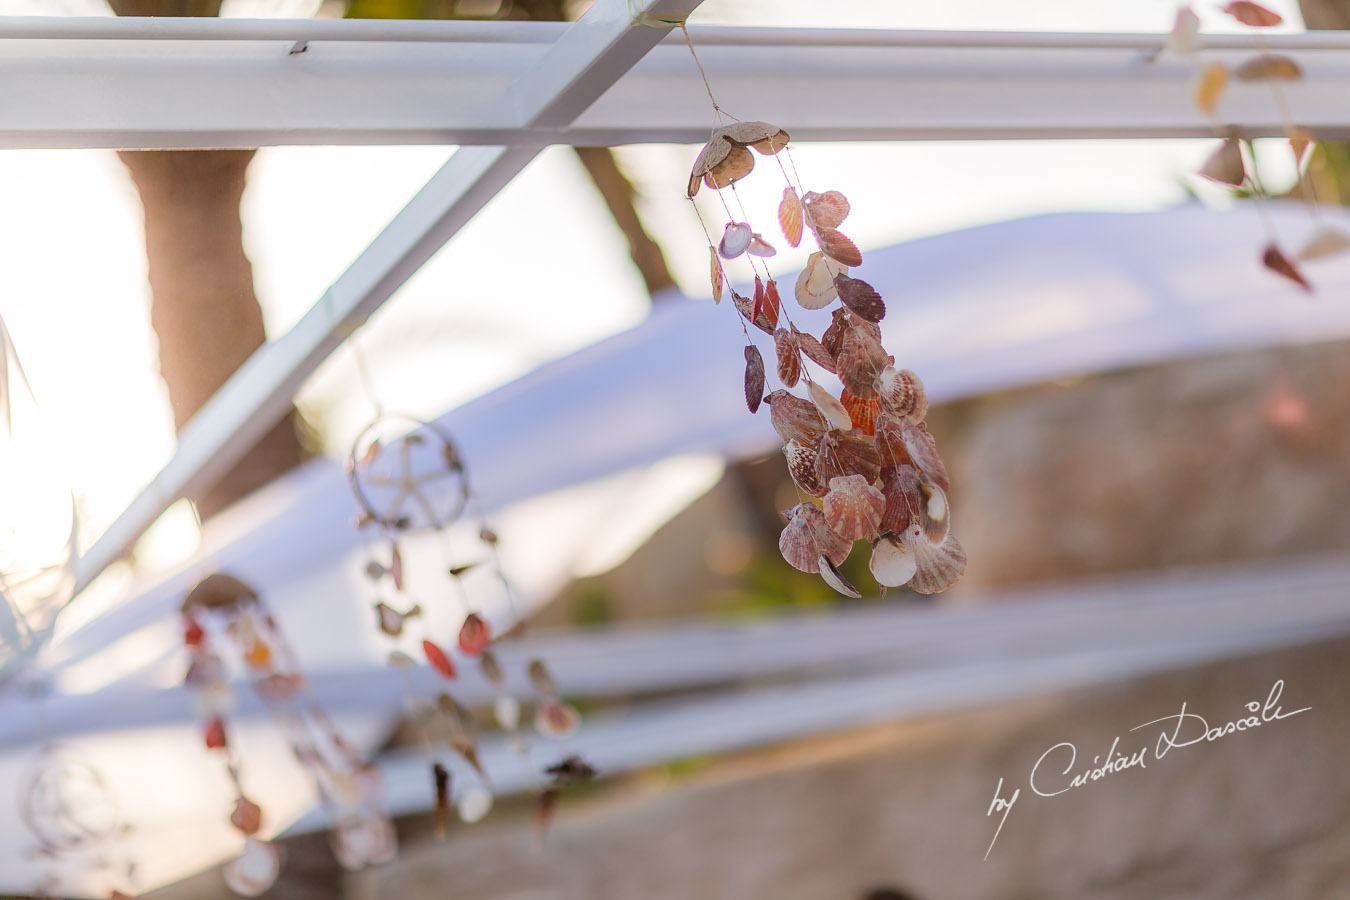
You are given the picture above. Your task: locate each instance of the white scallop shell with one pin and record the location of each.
(836, 580)
(937, 565)
(892, 563)
(815, 285)
(835, 413)
(506, 710)
(474, 802)
(253, 871)
(735, 240)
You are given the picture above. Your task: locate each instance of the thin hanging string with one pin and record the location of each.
(704, 75)
(363, 373)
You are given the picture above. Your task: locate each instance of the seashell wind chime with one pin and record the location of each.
(417, 482)
(222, 608)
(863, 461)
(1226, 166)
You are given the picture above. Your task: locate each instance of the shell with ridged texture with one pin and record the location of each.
(807, 539)
(853, 507)
(937, 566)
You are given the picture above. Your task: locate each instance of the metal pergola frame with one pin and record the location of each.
(502, 91)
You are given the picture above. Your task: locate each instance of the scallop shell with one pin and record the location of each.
(814, 350)
(922, 452)
(842, 453)
(745, 306)
(934, 512)
(790, 216)
(754, 378)
(796, 419)
(903, 394)
(736, 240)
(1225, 164)
(862, 412)
(801, 463)
(541, 678)
(825, 210)
(247, 816)
(860, 297)
(760, 247)
(767, 139)
(789, 357)
(836, 580)
(474, 635)
(815, 285)
(1268, 67)
(853, 507)
(771, 304)
(937, 565)
(900, 486)
(254, 870)
(860, 360)
(716, 274)
(833, 338)
(830, 408)
(838, 247)
(807, 539)
(555, 719)
(473, 803)
(892, 563)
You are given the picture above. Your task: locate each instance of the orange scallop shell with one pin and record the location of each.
(837, 246)
(825, 210)
(790, 216)
(863, 412)
(789, 357)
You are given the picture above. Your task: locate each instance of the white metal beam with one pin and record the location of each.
(574, 70)
(236, 83)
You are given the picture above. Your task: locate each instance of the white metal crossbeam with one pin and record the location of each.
(574, 70)
(237, 83)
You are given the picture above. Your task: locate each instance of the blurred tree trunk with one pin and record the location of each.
(203, 306)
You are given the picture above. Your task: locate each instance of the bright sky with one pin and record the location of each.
(75, 298)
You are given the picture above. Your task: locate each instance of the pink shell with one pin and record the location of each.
(807, 538)
(801, 463)
(900, 485)
(853, 507)
(903, 394)
(735, 240)
(825, 210)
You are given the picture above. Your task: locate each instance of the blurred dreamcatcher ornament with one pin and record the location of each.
(1227, 165)
(864, 458)
(74, 818)
(222, 609)
(408, 476)
(38, 522)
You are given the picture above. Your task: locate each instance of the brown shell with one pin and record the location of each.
(853, 507)
(937, 566)
(1267, 67)
(903, 394)
(834, 335)
(541, 678)
(934, 513)
(789, 357)
(801, 463)
(835, 579)
(922, 450)
(1225, 164)
(790, 216)
(1275, 260)
(796, 419)
(716, 273)
(863, 412)
(746, 307)
(900, 487)
(754, 378)
(842, 453)
(825, 210)
(860, 297)
(807, 539)
(838, 247)
(767, 139)
(815, 285)
(719, 163)
(860, 361)
(814, 350)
